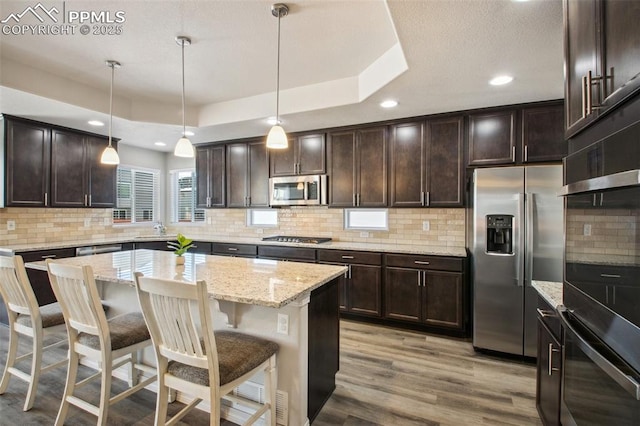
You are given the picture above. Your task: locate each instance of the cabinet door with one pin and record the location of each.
(372, 167)
(203, 178)
(258, 175)
(102, 177)
(28, 148)
(408, 166)
(311, 154)
(492, 138)
(403, 295)
(365, 284)
(443, 299)
(284, 161)
(548, 375)
(342, 174)
(68, 172)
(444, 162)
(237, 174)
(210, 174)
(621, 49)
(581, 35)
(543, 134)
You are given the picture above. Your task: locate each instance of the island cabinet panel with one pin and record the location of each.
(306, 155)
(247, 174)
(300, 254)
(78, 179)
(40, 279)
(324, 346)
(602, 58)
(358, 168)
(543, 134)
(361, 286)
(28, 159)
(211, 176)
(239, 250)
(426, 290)
(492, 138)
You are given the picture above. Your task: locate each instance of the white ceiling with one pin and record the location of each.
(339, 59)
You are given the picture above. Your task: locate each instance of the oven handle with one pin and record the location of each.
(627, 382)
(617, 180)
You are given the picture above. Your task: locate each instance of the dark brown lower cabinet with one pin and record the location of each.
(549, 368)
(416, 293)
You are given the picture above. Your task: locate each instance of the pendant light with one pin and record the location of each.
(277, 138)
(184, 148)
(110, 155)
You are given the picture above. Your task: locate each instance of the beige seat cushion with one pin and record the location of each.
(237, 355)
(126, 330)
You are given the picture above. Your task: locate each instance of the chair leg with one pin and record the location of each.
(271, 385)
(11, 357)
(36, 367)
(164, 392)
(105, 387)
(134, 373)
(69, 388)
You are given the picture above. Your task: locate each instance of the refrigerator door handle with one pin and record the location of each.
(530, 230)
(521, 240)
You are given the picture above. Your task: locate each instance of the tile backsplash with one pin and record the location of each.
(50, 225)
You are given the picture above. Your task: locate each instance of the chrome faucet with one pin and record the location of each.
(160, 228)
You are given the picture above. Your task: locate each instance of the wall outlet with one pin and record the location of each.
(209, 220)
(11, 225)
(283, 324)
(426, 225)
(364, 234)
(87, 222)
(586, 230)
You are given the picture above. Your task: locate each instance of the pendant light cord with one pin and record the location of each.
(183, 114)
(113, 67)
(278, 76)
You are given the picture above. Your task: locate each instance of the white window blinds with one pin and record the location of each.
(184, 197)
(138, 195)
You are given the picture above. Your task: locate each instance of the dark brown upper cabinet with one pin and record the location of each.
(543, 134)
(210, 176)
(78, 179)
(426, 163)
(306, 155)
(602, 58)
(492, 138)
(247, 174)
(358, 167)
(28, 159)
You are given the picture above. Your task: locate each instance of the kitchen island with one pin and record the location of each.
(293, 304)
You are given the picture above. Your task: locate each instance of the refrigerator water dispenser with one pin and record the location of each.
(499, 233)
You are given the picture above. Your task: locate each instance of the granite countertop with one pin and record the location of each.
(550, 291)
(333, 245)
(253, 281)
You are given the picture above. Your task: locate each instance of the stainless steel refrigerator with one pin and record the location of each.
(517, 238)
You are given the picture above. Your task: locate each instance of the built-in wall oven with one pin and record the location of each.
(601, 370)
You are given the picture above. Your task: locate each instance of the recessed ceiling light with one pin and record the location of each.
(160, 144)
(189, 133)
(500, 80)
(95, 123)
(389, 103)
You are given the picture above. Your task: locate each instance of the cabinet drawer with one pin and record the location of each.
(549, 317)
(353, 257)
(34, 256)
(287, 253)
(425, 262)
(234, 249)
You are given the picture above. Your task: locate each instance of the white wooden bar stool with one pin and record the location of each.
(28, 319)
(110, 343)
(196, 361)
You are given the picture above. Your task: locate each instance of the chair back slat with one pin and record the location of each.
(15, 288)
(76, 291)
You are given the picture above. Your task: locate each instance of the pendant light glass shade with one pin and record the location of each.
(277, 138)
(183, 148)
(110, 155)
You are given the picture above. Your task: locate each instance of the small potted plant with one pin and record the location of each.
(180, 247)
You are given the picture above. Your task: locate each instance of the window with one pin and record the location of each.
(370, 219)
(184, 197)
(264, 218)
(137, 195)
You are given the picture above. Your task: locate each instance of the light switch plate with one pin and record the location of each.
(283, 324)
(11, 225)
(426, 225)
(586, 230)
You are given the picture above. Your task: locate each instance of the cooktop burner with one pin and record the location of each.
(293, 239)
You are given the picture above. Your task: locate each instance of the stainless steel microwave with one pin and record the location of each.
(298, 190)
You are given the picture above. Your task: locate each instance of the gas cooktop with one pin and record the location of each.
(293, 239)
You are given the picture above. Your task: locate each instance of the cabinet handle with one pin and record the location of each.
(551, 351)
(48, 256)
(610, 275)
(419, 278)
(422, 198)
(526, 153)
(90, 200)
(46, 198)
(428, 198)
(232, 249)
(347, 257)
(349, 271)
(354, 199)
(584, 96)
(592, 81)
(545, 314)
(358, 198)
(513, 154)
(420, 262)
(85, 200)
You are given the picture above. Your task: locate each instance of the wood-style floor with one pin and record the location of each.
(387, 377)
